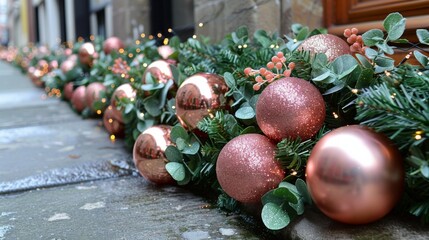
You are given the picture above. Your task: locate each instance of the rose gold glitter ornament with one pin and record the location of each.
(329, 44)
(68, 90)
(112, 44)
(67, 65)
(78, 99)
(165, 51)
(123, 91)
(93, 91)
(111, 123)
(160, 71)
(246, 168)
(149, 154)
(199, 96)
(290, 108)
(355, 175)
(86, 53)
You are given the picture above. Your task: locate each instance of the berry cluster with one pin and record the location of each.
(355, 41)
(273, 71)
(121, 67)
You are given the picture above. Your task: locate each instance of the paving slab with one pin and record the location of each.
(124, 208)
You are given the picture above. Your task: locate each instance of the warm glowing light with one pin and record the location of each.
(110, 120)
(130, 55)
(173, 107)
(103, 100)
(419, 132)
(170, 30)
(420, 73)
(121, 50)
(112, 137)
(239, 46)
(112, 85)
(138, 50)
(142, 35)
(245, 46)
(150, 37)
(200, 24)
(132, 99)
(194, 36)
(144, 64)
(98, 112)
(159, 35)
(294, 173)
(141, 115)
(418, 137)
(110, 107)
(387, 73)
(131, 79)
(165, 42)
(335, 115)
(355, 91)
(137, 42)
(295, 40)
(272, 46)
(92, 37)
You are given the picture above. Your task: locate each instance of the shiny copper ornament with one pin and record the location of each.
(111, 123)
(149, 154)
(246, 168)
(67, 66)
(160, 70)
(78, 99)
(290, 108)
(355, 175)
(68, 90)
(199, 96)
(329, 44)
(112, 44)
(92, 95)
(165, 51)
(86, 53)
(123, 91)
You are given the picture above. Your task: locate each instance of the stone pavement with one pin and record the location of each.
(62, 178)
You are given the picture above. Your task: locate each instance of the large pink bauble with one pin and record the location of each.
(355, 175)
(246, 168)
(93, 91)
(290, 108)
(199, 96)
(160, 70)
(67, 65)
(68, 90)
(112, 44)
(78, 99)
(86, 53)
(111, 123)
(149, 154)
(328, 44)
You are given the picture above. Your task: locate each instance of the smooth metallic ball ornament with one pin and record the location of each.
(78, 99)
(112, 44)
(87, 53)
(165, 51)
(93, 92)
(149, 154)
(111, 123)
(68, 91)
(160, 70)
(328, 44)
(246, 168)
(355, 175)
(290, 108)
(199, 96)
(123, 91)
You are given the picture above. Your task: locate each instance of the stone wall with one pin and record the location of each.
(130, 18)
(220, 17)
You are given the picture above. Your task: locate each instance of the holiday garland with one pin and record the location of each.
(360, 84)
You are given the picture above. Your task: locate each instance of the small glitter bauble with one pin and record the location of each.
(67, 66)
(93, 92)
(328, 44)
(160, 70)
(199, 96)
(290, 108)
(123, 91)
(68, 91)
(111, 123)
(86, 53)
(112, 44)
(246, 168)
(149, 154)
(355, 175)
(53, 65)
(165, 51)
(78, 99)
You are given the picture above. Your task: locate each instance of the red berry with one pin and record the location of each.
(269, 76)
(280, 55)
(287, 73)
(347, 32)
(247, 71)
(279, 65)
(256, 87)
(355, 30)
(283, 59)
(275, 59)
(262, 71)
(291, 65)
(259, 79)
(270, 65)
(359, 39)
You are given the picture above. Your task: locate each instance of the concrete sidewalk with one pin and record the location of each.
(62, 178)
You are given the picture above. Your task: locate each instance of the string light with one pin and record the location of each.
(132, 99)
(165, 42)
(294, 173)
(144, 64)
(418, 137)
(142, 35)
(92, 37)
(239, 46)
(420, 73)
(159, 35)
(103, 100)
(141, 115)
(137, 42)
(355, 91)
(123, 75)
(99, 112)
(272, 46)
(138, 50)
(295, 40)
(170, 30)
(200, 24)
(194, 36)
(387, 73)
(131, 79)
(121, 50)
(150, 37)
(112, 138)
(245, 46)
(130, 55)
(393, 95)
(110, 120)
(110, 107)
(335, 115)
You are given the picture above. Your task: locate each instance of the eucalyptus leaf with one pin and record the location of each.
(273, 216)
(151, 105)
(298, 207)
(394, 24)
(245, 113)
(371, 53)
(372, 37)
(385, 48)
(302, 34)
(191, 147)
(178, 132)
(322, 77)
(261, 36)
(363, 60)
(385, 62)
(421, 58)
(423, 36)
(181, 144)
(424, 169)
(173, 154)
(176, 170)
(366, 78)
(343, 63)
(302, 189)
(286, 194)
(128, 108)
(335, 89)
(229, 80)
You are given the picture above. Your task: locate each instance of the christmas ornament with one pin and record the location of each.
(111, 123)
(68, 90)
(329, 44)
(53, 65)
(86, 53)
(165, 51)
(290, 108)
(112, 44)
(199, 96)
(355, 175)
(123, 91)
(78, 99)
(93, 91)
(246, 168)
(160, 71)
(67, 66)
(149, 154)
